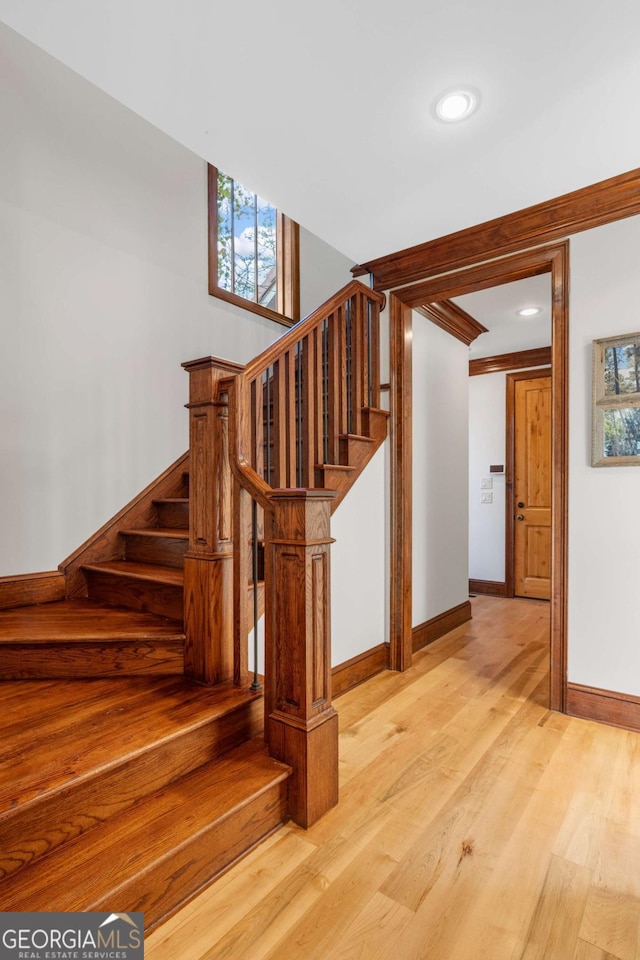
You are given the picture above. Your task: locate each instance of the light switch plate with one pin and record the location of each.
(486, 498)
(486, 483)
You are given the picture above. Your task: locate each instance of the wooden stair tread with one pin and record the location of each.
(78, 621)
(55, 733)
(153, 572)
(172, 533)
(182, 500)
(130, 851)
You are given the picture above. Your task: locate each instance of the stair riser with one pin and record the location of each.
(32, 830)
(60, 661)
(164, 550)
(175, 875)
(355, 451)
(183, 873)
(144, 595)
(174, 515)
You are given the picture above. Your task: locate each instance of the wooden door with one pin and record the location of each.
(532, 488)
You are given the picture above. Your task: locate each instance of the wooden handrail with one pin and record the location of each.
(273, 351)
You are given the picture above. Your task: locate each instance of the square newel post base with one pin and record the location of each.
(302, 726)
(313, 756)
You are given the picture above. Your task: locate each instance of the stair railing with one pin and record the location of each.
(292, 413)
(308, 389)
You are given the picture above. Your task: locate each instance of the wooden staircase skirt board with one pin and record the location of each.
(166, 547)
(147, 587)
(173, 512)
(141, 512)
(158, 854)
(77, 753)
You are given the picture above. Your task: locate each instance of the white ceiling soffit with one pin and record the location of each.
(325, 109)
(496, 308)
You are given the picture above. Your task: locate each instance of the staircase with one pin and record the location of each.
(124, 784)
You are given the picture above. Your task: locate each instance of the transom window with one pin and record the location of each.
(253, 251)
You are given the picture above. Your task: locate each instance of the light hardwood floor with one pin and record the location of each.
(473, 823)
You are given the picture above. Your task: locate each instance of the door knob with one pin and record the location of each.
(520, 516)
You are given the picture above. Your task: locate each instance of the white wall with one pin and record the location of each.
(103, 293)
(604, 514)
(440, 470)
(486, 446)
(359, 619)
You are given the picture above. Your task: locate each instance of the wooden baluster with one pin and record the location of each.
(208, 564)
(307, 375)
(257, 426)
(365, 356)
(278, 429)
(374, 354)
(301, 725)
(358, 364)
(335, 384)
(318, 400)
(344, 367)
(241, 566)
(290, 418)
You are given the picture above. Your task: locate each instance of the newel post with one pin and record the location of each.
(208, 564)
(302, 726)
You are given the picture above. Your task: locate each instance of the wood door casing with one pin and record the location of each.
(532, 488)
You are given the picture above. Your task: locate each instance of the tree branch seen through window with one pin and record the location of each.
(253, 251)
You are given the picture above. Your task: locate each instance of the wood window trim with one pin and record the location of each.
(553, 259)
(287, 263)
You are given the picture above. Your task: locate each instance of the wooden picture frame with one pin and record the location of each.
(615, 434)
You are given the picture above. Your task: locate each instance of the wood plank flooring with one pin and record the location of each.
(473, 823)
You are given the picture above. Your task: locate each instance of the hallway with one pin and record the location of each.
(473, 823)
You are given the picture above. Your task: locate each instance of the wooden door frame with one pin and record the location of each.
(509, 497)
(553, 259)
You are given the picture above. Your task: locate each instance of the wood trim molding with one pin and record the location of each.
(401, 504)
(605, 706)
(593, 206)
(28, 588)
(554, 260)
(453, 319)
(510, 452)
(488, 588)
(105, 544)
(519, 360)
(436, 627)
(345, 676)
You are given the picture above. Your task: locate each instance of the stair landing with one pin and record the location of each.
(87, 638)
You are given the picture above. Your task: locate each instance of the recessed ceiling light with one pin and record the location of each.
(456, 105)
(528, 312)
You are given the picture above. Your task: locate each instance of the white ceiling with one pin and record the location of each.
(324, 108)
(496, 308)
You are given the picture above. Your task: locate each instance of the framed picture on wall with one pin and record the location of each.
(615, 435)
